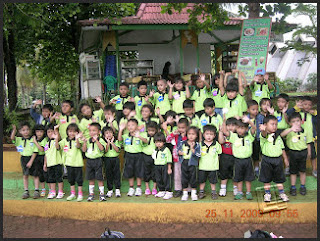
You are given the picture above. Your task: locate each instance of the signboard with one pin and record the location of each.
(253, 48)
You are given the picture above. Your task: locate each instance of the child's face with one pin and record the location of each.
(231, 127)
(182, 128)
(108, 114)
(188, 111)
(45, 113)
(241, 130)
(253, 110)
(199, 83)
(25, 131)
(272, 126)
(86, 111)
(192, 135)
(39, 134)
(151, 131)
(159, 144)
(50, 133)
(142, 90)
(209, 110)
(296, 122)
(93, 131)
(123, 90)
(216, 81)
(162, 85)
(66, 108)
(178, 85)
(72, 133)
(209, 136)
(132, 126)
(307, 105)
(264, 106)
(281, 103)
(170, 120)
(260, 78)
(126, 111)
(299, 103)
(232, 94)
(108, 135)
(145, 113)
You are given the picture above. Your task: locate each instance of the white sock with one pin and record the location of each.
(235, 187)
(91, 189)
(185, 192)
(101, 189)
(193, 192)
(223, 186)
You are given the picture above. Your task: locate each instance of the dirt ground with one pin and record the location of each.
(34, 227)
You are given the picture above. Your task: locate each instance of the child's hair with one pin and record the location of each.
(163, 80)
(231, 121)
(240, 123)
(170, 113)
(124, 84)
(208, 103)
(39, 127)
(251, 103)
(107, 128)
(153, 124)
(149, 107)
(216, 76)
(264, 100)
(294, 115)
(159, 137)
(110, 108)
(24, 123)
(177, 80)
(187, 104)
(140, 83)
(129, 105)
(82, 105)
(307, 98)
(283, 96)
(232, 87)
(72, 126)
(195, 129)
(133, 120)
(96, 125)
(269, 118)
(70, 102)
(49, 127)
(299, 97)
(209, 128)
(48, 107)
(184, 121)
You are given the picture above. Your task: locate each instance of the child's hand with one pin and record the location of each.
(38, 102)
(45, 168)
(202, 77)
(131, 114)
(296, 128)
(98, 99)
(270, 110)
(171, 85)
(56, 127)
(266, 77)
(175, 132)
(245, 119)
(137, 134)
(56, 115)
(94, 119)
(131, 99)
(112, 139)
(14, 128)
(158, 110)
(192, 144)
(141, 127)
(169, 119)
(262, 127)
(234, 71)
(94, 138)
(227, 74)
(237, 117)
(146, 98)
(113, 101)
(286, 161)
(176, 119)
(122, 126)
(79, 135)
(284, 110)
(309, 155)
(29, 164)
(151, 93)
(34, 138)
(83, 139)
(55, 136)
(188, 83)
(312, 112)
(180, 153)
(164, 125)
(221, 72)
(169, 171)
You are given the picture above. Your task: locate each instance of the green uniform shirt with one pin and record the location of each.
(125, 120)
(111, 151)
(162, 157)
(45, 122)
(298, 141)
(53, 155)
(282, 124)
(193, 121)
(209, 160)
(93, 150)
(64, 121)
(105, 123)
(260, 91)
(215, 120)
(148, 148)
(120, 101)
(162, 101)
(271, 146)
(71, 155)
(139, 101)
(24, 146)
(170, 129)
(85, 122)
(216, 96)
(234, 107)
(241, 146)
(144, 123)
(132, 144)
(41, 143)
(199, 95)
(177, 102)
(307, 122)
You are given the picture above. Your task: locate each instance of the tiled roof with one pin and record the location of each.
(150, 13)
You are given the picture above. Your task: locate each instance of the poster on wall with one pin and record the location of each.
(253, 48)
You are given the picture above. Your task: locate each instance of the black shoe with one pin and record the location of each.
(201, 195)
(293, 191)
(214, 196)
(303, 190)
(177, 194)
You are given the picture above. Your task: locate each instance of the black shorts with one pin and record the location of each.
(148, 168)
(271, 170)
(55, 174)
(43, 176)
(188, 175)
(256, 150)
(32, 171)
(243, 170)
(211, 175)
(75, 175)
(200, 113)
(313, 151)
(162, 177)
(113, 173)
(94, 169)
(226, 164)
(298, 161)
(134, 166)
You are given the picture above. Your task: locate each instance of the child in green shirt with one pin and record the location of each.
(210, 117)
(209, 161)
(260, 86)
(188, 110)
(147, 113)
(178, 93)
(94, 149)
(200, 94)
(25, 147)
(119, 100)
(111, 161)
(128, 113)
(216, 95)
(110, 118)
(161, 98)
(141, 99)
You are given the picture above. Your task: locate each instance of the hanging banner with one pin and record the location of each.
(253, 48)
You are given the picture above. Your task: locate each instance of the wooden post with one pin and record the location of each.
(118, 59)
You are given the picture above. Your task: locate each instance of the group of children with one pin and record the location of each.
(174, 139)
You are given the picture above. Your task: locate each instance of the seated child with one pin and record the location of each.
(200, 94)
(119, 100)
(178, 93)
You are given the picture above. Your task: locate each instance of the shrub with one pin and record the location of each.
(289, 85)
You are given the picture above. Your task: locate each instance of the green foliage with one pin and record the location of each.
(289, 85)
(312, 82)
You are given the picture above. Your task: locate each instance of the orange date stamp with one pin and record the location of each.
(251, 213)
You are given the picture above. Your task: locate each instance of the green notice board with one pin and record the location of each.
(253, 48)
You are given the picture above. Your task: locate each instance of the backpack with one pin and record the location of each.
(111, 234)
(260, 234)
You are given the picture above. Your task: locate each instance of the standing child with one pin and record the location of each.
(111, 161)
(188, 110)
(162, 166)
(260, 86)
(298, 141)
(110, 118)
(94, 149)
(210, 117)
(128, 113)
(272, 149)
(170, 123)
(119, 100)
(147, 113)
(242, 151)
(141, 99)
(25, 147)
(189, 154)
(46, 113)
(200, 94)
(132, 143)
(161, 98)
(216, 95)
(209, 160)
(178, 93)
